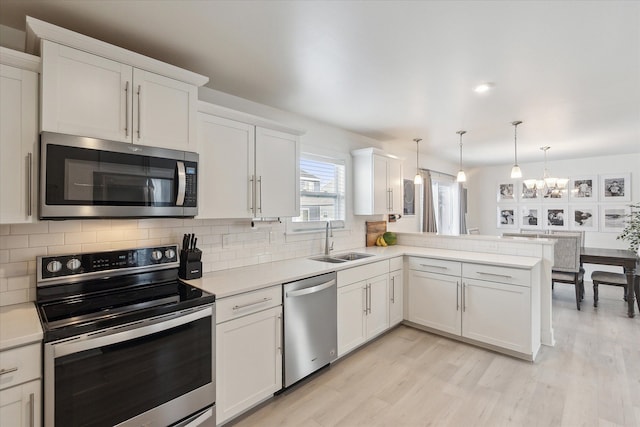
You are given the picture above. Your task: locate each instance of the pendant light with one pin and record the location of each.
(418, 178)
(515, 170)
(461, 175)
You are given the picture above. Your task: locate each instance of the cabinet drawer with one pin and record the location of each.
(440, 266)
(491, 273)
(395, 263)
(19, 365)
(363, 272)
(247, 303)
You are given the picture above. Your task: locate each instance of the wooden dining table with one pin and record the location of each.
(620, 257)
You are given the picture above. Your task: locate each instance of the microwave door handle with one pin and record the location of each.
(182, 183)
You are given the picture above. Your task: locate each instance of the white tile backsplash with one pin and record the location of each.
(225, 244)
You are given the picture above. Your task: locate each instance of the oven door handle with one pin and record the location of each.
(182, 183)
(127, 332)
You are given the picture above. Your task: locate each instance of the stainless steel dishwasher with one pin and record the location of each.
(310, 326)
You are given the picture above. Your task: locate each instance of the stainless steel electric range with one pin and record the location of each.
(125, 341)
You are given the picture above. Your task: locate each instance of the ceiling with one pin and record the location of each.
(397, 70)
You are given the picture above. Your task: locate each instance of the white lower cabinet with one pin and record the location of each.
(496, 310)
(434, 301)
(20, 386)
(363, 305)
(20, 405)
(248, 351)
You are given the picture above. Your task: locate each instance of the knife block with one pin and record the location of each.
(190, 264)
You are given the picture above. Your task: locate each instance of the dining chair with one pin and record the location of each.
(566, 263)
(614, 279)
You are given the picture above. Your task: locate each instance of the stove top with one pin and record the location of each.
(83, 293)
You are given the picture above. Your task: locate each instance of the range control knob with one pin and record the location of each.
(156, 255)
(170, 253)
(73, 264)
(54, 266)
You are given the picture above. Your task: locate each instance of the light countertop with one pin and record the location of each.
(235, 281)
(19, 325)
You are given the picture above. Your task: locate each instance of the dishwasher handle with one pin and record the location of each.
(311, 289)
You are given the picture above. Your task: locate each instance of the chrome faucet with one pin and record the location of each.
(328, 248)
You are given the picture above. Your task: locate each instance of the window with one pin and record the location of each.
(322, 192)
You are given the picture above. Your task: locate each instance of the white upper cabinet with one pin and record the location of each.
(226, 150)
(277, 174)
(377, 182)
(94, 89)
(88, 95)
(18, 137)
(164, 111)
(247, 170)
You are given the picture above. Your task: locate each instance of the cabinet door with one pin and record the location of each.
(497, 314)
(164, 111)
(18, 145)
(434, 301)
(226, 150)
(277, 174)
(396, 312)
(351, 316)
(85, 94)
(394, 181)
(248, 361)
(381, 195)
(20, 405)
(378, 316)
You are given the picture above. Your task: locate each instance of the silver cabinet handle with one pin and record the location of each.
(366, 299)
(457, 296)
(260, 196)
(29, 184)
(391, 199)
(434, 266)
(464, 297)
(182, 183)
(8, 371)
(126, 109)
(32, 410)
(504, 276)
(393, 289)
(238, 307)
(279, 333)
(312, 289)
(251, 192)
(139, 90)
(388, 199)
(369, 301)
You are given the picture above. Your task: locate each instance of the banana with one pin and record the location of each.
(380, 241)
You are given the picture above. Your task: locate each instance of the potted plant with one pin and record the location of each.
(631, 231)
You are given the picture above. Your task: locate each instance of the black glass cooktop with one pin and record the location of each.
(73, 309)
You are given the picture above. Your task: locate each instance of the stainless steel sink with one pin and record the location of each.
(326, 258)
(352, 256)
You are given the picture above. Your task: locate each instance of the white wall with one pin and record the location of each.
(481, 183)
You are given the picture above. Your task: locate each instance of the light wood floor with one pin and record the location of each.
(413, 378)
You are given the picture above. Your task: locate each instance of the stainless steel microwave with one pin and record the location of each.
(92, 178)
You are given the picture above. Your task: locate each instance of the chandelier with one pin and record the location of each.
(548, 185)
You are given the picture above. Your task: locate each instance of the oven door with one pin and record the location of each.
(93, 178)
(155, 372)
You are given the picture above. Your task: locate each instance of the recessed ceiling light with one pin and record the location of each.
(484, 87)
